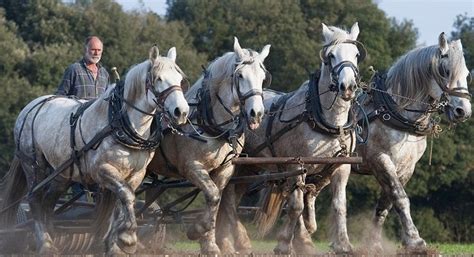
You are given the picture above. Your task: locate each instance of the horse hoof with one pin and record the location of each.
(127, 242)
(195, 232)
(227, 247)
(281, 250)
(343, 248)
(48, 249)
(211, 250)
(416, 246)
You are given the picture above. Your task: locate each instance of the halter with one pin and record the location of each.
(236, 84)
(457, 91)
(335, 70)
(160, 97)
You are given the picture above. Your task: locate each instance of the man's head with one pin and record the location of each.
(93, 49)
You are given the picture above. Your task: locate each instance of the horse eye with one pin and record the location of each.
(357, 55)
(159, 79)
(240, 76)
(331, 56)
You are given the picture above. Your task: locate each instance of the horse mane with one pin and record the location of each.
(223, 67)
(338, 36)
(411, 75)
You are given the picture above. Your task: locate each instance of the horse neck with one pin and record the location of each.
(138, 97)
(334, 108)
(224, 90)
(419, 104)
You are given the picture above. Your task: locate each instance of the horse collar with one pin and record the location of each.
(123, 131)
(387, 109)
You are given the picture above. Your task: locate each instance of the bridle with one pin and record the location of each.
(252, 92)
(160, 97)
(457, 91)
(336, 69)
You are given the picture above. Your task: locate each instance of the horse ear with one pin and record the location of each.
(443, 43)
(264, 53)
(237, 49)
(327, 33)
(355, 31)
(172, 53)
(154, 53)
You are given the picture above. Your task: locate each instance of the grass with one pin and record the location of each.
(323, 247)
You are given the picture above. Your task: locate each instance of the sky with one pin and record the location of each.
(430, 17)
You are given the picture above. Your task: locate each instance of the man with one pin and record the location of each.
(86, 78)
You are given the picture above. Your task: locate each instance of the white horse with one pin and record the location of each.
(421, 82)
(224, 101)
(108, 142)
(314, 120)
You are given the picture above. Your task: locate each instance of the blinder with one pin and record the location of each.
(268, 79)
(457, 91)
(160, 96)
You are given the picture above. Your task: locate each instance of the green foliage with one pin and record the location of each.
(40, 38)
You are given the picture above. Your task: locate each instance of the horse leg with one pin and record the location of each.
(242, 241)
(393, 188)
(295, 206)
(121, 236)
(228, 223)
(302, 243)
(339, 238)
(381, 211)
(39, 210)
(205, 228)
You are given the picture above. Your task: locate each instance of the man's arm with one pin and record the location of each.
(66, 87)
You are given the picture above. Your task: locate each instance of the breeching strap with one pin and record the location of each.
(96, 139)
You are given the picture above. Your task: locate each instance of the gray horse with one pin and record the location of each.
(224, 101)
(108, 142)
(314, 120)
(421, 82)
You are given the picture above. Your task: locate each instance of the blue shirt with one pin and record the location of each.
(79, 81)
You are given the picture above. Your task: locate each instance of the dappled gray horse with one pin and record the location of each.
(227, 98)
(423, 81)
(314, 120)
(107, 142)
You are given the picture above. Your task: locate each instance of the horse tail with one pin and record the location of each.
(104, 207)
(13, 188)
(266, 217)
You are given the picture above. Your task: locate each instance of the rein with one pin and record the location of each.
(123, 131)
(387, 110)
(312, 115)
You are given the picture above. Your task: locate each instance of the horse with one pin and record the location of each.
(224, 100)
(314, 120)
(400, 107)
(108, 142)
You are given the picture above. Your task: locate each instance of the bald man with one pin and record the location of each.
(86, 78)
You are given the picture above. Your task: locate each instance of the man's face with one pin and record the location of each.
(94, 51)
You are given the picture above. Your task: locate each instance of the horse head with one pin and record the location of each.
(341, 54)
(249, 77)
(451, 76)
(164, 80)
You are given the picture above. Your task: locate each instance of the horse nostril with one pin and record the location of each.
(253, 113)
(459, 112)
(342, 86)
(177, 112)
(259, 114)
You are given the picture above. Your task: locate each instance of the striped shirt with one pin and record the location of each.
(79, 81)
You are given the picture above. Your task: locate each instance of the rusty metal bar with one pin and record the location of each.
(295, 160)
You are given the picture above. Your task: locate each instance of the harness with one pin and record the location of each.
(312, 114)
(119, 126)
(387, 110)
